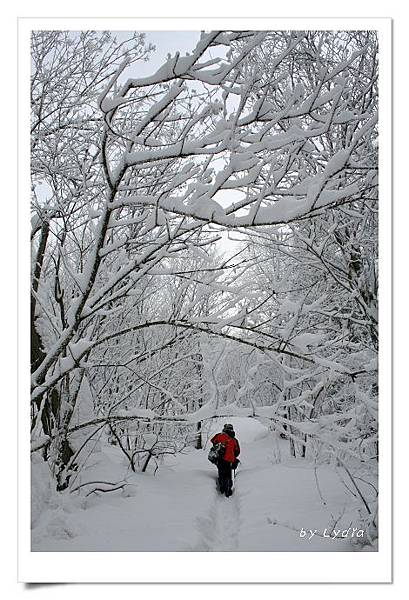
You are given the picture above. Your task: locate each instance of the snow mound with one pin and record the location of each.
(58, 528)
(41, 490)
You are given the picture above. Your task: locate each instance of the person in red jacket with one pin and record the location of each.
(229, 459)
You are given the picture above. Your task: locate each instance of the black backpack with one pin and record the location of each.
(216, 452)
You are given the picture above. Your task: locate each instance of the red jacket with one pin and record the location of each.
(232, 446)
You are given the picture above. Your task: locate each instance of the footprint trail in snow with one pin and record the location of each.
(220, 532)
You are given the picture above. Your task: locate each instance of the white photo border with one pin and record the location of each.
(198, 567)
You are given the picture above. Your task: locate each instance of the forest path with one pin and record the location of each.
(180, 509)
(220, 531)
(228, 521)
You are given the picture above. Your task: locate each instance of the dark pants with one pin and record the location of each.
(225, 480)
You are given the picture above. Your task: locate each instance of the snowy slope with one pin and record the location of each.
(179, 509)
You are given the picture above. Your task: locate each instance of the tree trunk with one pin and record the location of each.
(199, 441)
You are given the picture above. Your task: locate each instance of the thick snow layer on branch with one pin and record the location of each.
(79, 348)
(210, 410)
(303, 340)
(143, 413)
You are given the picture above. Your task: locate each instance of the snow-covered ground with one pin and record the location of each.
(179, 508)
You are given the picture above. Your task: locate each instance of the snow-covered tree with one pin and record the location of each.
(272, 135)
